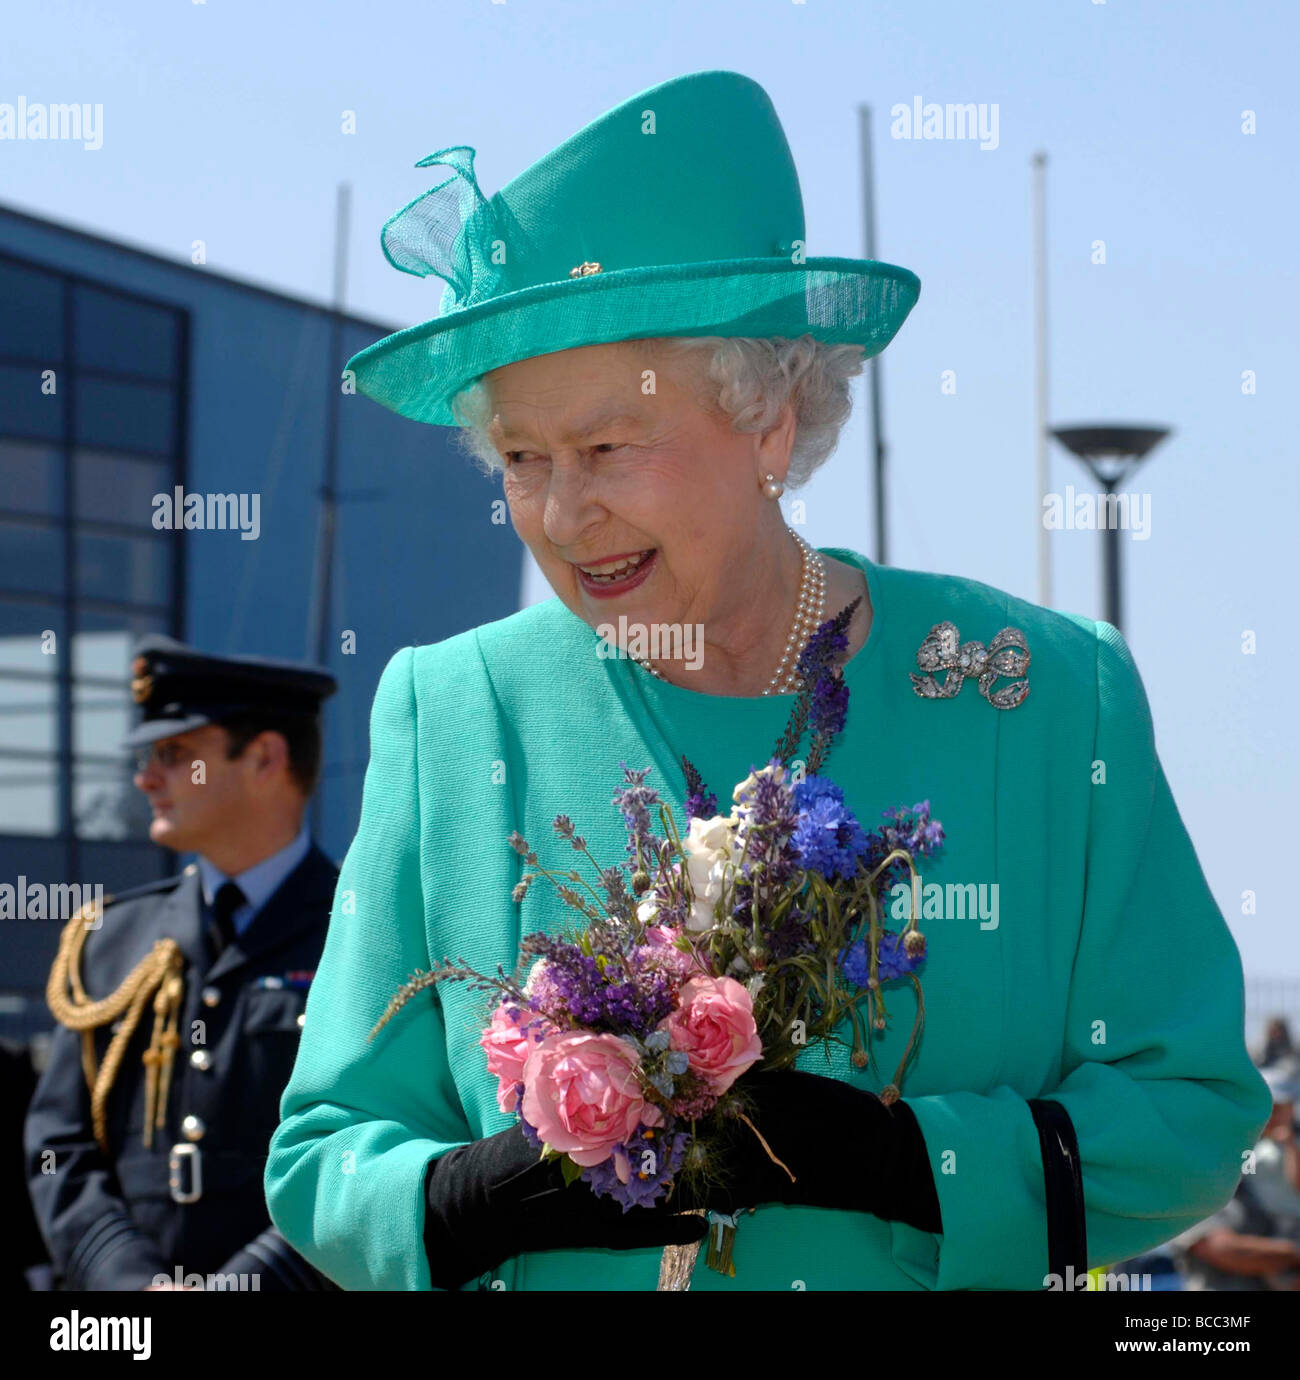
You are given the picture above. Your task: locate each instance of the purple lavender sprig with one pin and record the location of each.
(823, 697)
(596, 992)
(701, 803)
(507, 987)
(826, 647)
(768, 819)
(634, 799)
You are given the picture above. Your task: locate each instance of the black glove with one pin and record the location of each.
(845, 1148)
(495, 1199)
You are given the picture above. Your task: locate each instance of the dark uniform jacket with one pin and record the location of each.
(115, 1221)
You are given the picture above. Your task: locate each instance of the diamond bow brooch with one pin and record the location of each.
(943, 650)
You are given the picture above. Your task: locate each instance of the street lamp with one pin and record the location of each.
(1111, 454)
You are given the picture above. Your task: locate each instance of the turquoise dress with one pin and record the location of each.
(1106, 979)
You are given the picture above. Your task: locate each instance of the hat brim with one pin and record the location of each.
(152, 730)
(416, 372)
(155, 730)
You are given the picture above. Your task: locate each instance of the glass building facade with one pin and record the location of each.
(125, 380)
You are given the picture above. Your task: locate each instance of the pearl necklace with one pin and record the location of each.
(808, 615)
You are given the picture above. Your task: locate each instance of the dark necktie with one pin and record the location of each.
(225, 903)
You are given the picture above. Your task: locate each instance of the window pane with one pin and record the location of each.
(30, 637)
(29, 796)
(31, 313)
(129, 570)
(101, 718)
(127, 416)
(31, 556)
(28, 714)
(115, 488)
(104, 641)
(105, 805)
(24, 409)
(124, 336)
(31, 477)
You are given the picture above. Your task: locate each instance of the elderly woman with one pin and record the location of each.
(632, 337)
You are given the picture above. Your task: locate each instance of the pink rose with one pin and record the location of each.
(508, 1046)
(582, 1097)
(714, 1026)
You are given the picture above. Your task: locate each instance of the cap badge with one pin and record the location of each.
(142, 684)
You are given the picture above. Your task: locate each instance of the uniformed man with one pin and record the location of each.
(179, 1003)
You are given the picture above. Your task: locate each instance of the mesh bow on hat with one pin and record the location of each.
(677, 213)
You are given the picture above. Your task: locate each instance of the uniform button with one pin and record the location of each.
(201, 1060)
(192, 1128)
(211, 996)
(302, 1018)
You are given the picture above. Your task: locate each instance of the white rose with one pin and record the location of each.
(707, 879)
(647, 910)
(710, 849)
(709, 836)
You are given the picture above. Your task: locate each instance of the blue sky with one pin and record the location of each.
(222, 123)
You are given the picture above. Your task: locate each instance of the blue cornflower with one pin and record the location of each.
(895, 962)
(828, 838)
(894, 959)
(855, 963)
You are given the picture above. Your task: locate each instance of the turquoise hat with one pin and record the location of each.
(676, 213)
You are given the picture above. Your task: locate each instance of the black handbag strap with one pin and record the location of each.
(1067, 1231)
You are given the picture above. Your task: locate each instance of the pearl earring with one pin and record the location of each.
(772, 486)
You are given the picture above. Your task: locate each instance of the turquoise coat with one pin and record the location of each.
(1107, 978)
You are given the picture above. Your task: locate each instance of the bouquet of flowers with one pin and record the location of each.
(621, 1044)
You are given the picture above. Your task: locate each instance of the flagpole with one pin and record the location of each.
(1038, 236)
(873, 364)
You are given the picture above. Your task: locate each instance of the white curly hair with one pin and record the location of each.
(749, 380)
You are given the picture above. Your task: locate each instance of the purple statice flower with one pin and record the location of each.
(828, 839)
(658, 959)
(635, 799)
(649, 1159)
